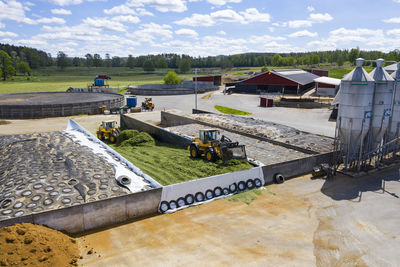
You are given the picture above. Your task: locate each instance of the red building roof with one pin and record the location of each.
(287, 77)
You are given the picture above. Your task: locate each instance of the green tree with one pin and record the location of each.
(264, 69)
(171, 78)
(89, 60)
(23, 67)
(76, 61)
(148, 66)
(6, 67)
(276, 60)
(116, 61)
(340, 60)
(97, 61)
(130, 62)
(315, 59)
(107, 60)
(184, 65)
(353, 55)
(62, 60)
(162, 63)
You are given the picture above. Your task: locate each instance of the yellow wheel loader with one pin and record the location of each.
(148, 104)
(208, 144)
(108, 130)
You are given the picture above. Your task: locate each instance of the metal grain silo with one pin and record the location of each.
(355, 106)
(381, 110)
(394, 128)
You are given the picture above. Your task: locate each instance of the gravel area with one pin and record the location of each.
(271, 130)
(262, 151)
(48, 171)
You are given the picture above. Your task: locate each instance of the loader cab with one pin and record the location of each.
(208, 135)
(107, 125)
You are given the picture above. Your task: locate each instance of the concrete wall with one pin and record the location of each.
(295, 167)
(176, 89)
(169, 119)
(95, 214)
(160, 134)
(59, 110)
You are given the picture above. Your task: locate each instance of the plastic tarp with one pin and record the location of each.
(176, 191)
(138, 181)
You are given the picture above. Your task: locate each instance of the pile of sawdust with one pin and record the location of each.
(33, 245)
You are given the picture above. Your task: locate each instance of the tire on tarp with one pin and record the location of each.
(226, 191)
(164, 206)
(209, 194)
(173, 205)
(250, 184)
(218, 191)
(241, 186)
(279, 178)
(257, 182)
(199, 197)
(181, 202)
(233, 188)
(189, 199)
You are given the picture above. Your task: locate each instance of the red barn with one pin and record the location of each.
(288, 81)
(326, 86)
(216, 79)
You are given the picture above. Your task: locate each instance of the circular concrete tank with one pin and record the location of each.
(55, 104)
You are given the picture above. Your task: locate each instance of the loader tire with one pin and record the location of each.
(194, 152)
(189, 199)
(100, 136)
(279, 178)
(112, 139)
(210, 155)
(199, 196)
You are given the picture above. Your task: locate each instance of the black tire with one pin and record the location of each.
(226, 191)
(209, 194)
(181, 202)
(100, 136)
(279, 178)
(189, 199)
(173, 205)
(113, 139)
(218, 191)
(250, 184)
(164, 206)
(199, 197)
(194, 152)
(210, 155)
(241, 186)
(257, 182)
(233, 188)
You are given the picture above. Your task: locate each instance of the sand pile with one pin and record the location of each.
(36, 245)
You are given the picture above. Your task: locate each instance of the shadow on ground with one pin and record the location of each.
(342, 187)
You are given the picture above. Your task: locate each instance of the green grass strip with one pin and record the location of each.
(230, 111)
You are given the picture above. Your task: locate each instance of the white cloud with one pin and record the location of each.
(196, 20)
(395, 32)
(129, 18)
(227, 15)
(392, 20)
(221, 32)
(161, 5)
(396, 1)
(2, 25)
(8, 34)
(319, 18)
(187, 33)
(252, 15)
(29, 4)
(122, 9)
(51, 20)
(65, 2)
(304, 33)
(310, 8)
(143, 12)
(223, 2)
(299, 23)
(61, 11)
(105, 24)
(12, 10)
(148, 33)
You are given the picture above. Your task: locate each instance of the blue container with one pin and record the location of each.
(131, 102)
(99, 82)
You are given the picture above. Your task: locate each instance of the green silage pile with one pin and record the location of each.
(169, 164)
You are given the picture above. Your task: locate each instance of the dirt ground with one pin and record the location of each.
(35, 245)
(303, 222)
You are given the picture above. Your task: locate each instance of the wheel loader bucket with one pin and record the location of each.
(237, 152)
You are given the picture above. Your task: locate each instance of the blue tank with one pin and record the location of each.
(99, 82)
(131, 102)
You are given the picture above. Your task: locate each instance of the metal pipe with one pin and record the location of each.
(361, 146)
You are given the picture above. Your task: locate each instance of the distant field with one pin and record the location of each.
(52, 79)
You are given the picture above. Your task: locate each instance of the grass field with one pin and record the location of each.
(230, 111)
(170, 164)
(52, 79)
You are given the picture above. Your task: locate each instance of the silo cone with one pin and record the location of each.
(381, 109)
(394, 125)
(355, 106)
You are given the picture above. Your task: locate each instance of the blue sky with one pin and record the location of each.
(199, 27)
